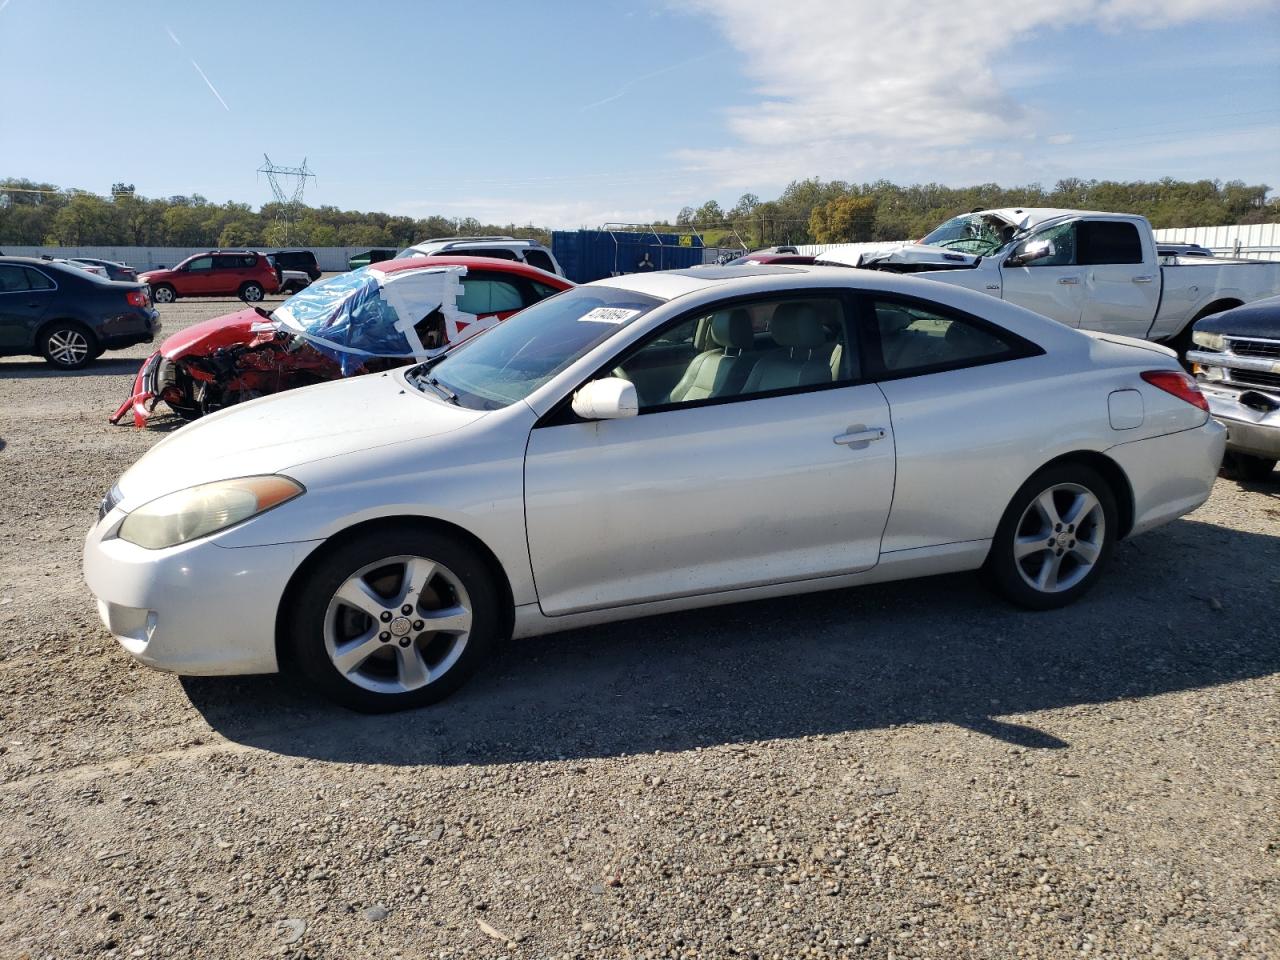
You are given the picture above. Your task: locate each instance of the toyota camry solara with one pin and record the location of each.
(638, 445)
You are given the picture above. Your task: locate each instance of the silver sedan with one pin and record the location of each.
(639, 445)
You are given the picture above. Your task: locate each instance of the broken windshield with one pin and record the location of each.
(980, 234)
(369, 313)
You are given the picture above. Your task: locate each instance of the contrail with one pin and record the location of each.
(203, 75)
(626, 87)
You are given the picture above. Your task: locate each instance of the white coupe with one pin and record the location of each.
(643, 444)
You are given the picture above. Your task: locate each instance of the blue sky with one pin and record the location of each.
(577, 112)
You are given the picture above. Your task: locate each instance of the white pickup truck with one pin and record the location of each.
(1095, 271)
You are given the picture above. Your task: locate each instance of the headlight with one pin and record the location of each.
(208, 508)
(1210, 341)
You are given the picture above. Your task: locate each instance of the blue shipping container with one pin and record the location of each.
(587, 255)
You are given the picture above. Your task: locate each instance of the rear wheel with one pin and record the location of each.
(1055, 537)
(394, 619)
(1245, 466)
(251, 292)
(163, 293)
(68, 345)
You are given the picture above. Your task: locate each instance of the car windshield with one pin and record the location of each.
(970, 233)
(516, 357)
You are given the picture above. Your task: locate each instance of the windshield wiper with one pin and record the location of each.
(441, 389)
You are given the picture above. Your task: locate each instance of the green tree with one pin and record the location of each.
(843, 220)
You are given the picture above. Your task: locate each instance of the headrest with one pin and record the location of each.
(893, 320)
(797, 325)
(732, 328)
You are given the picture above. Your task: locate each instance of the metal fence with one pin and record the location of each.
(1254, 241)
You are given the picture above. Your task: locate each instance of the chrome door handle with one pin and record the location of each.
(1143, 279)
(859, 436)
(1068, 279)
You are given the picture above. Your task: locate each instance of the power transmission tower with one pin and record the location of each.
(289, 200)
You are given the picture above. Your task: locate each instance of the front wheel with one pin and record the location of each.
(251, 292)
(1245, 466)
(1055, 537)
(68, 345)
(164, 293)
(394, 619)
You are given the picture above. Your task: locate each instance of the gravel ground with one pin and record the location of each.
(910, 770)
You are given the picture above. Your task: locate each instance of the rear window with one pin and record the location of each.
(1107, 241)
(537, 258)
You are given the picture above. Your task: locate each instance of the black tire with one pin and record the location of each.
(68, 345)
(1247, 467)
(251, 292)
(163, 293)
(308, 617)
(1009, 576)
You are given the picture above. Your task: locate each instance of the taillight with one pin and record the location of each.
(137, 298)
(1181, 385)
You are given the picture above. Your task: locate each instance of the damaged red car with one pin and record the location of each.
(366, 321)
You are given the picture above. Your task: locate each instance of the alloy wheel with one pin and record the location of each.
(68, 347)
(398, 624)
(1059, 538)
(162, 295)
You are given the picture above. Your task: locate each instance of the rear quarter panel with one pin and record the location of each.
(968, 439)
(1190, 287)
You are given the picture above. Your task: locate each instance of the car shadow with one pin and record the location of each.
(1188, 606)
(39, 369)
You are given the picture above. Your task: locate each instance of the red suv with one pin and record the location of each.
(218, 273)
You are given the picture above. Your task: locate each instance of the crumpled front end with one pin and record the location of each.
(142, 400)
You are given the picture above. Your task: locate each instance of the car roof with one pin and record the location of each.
(476, 263)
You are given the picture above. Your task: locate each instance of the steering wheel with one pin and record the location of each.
(956, 242)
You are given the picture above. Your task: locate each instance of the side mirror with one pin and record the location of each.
(610, 398)
(1031, 251)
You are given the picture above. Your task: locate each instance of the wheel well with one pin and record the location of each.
(1216, 307)
(399, 523)
(1115, 477)
(40, 330)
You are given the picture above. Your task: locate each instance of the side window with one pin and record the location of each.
(1055, 247)
(783, 344)
(918, 339)
(38, 281)
(248, 261)
(1108, 241)
(13, 280)
(541, 291)
(539, 259)
(226, 262)
(481, 296)
(201, 263)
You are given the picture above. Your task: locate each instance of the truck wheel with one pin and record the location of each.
(1245, 466)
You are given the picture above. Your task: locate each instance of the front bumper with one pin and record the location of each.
(142, 398)
(198, 609)
(1253, 427)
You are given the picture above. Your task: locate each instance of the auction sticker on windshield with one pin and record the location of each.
(608, 315)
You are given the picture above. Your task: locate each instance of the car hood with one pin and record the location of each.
(1258, 319)
(915, 255)
(206, 336)
(147, 276)
(273, 433)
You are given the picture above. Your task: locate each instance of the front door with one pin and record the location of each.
(767, 460)
(25, 297)
(1051, 285)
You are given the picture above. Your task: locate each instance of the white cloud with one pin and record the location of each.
(857, 88)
